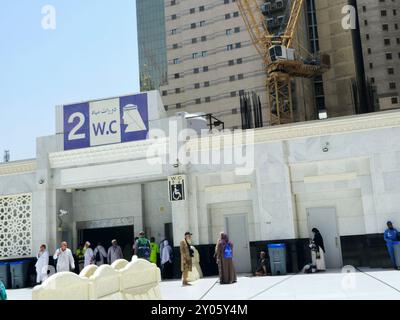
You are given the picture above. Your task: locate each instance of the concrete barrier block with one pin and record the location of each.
(140, 280)
(62, 286)
(104, 284)
(88, 271)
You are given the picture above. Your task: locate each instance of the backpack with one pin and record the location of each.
(228, 251)
(143, 248)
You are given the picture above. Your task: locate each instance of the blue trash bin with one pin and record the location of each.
(19, 274)
(277, 258)
(5, 274)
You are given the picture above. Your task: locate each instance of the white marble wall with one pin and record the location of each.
(217, 190)
(109, 203)
(66, 231)
(359, 175)
(45, 206)
(157, 208)
(44, 228)
(214, 194)
(373, 156)
(17, 183)
(343, 183)
(275, 201)
(218, 211)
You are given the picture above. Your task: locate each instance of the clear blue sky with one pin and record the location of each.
(91, 54)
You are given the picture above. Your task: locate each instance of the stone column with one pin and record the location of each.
(180, 220)
(45, 195)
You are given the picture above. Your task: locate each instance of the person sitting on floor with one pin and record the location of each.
(262, 266)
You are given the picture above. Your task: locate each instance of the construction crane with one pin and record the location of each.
(281, 61)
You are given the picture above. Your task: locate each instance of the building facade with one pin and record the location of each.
(211, 59)
(336, 41)
(339, 175)
(379, 26)
(151, 44)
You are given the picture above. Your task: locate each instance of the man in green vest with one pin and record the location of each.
(142, 247)
(155, 250)
(80, 256)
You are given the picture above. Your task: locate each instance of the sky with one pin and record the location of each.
(91, 54)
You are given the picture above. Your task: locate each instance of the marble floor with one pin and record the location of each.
(371, 284)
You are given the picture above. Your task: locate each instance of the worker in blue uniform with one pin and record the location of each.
(391, 235)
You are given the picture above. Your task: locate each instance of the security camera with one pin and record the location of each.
(326, 147)
(62, 213)
(41, 181)
(176, 165)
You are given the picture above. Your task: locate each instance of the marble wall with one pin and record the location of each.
(157, 208)
(109, 203)
(147, 204)
(358, 174)
(363, 163)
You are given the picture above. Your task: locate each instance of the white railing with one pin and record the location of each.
(123, 280)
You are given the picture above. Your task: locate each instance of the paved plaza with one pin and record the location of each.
(371, 284)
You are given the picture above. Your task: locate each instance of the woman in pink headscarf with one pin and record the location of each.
(224, 255)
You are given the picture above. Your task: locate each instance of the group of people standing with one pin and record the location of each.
(223, 256)
(163, 256)
(85, 255)
(98, 256)
(391, 237)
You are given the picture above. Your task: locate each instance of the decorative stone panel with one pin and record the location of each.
(15, 226)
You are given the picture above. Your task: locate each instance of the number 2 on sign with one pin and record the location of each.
(73, 135)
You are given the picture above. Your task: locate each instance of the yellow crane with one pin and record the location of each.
(280, 59)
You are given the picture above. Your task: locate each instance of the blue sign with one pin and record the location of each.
(105, 122)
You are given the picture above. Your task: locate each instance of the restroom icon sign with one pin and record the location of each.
(132, 119)
(176, 188)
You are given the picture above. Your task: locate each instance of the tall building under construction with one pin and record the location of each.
(211, 60)
(205, 59)
(380, 33)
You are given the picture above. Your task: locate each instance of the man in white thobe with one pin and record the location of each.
(42, 264)
(114, 252)
(64, 257)
(89, 256)
(100, 254)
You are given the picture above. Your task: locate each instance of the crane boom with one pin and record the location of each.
(279, 57)
(292, 23)
(255, 23)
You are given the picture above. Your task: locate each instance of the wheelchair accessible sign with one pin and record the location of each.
(103, 122)
(176, 187)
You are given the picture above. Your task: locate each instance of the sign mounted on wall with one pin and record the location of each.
(177, 188)
(103, 122)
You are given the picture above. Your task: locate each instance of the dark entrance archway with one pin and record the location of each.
(123, 234)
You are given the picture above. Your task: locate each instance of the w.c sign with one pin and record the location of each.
(104, 122)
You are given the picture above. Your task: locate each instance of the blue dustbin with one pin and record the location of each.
(396, 248)
(5, 274)
(277, 258)
(19, 274)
